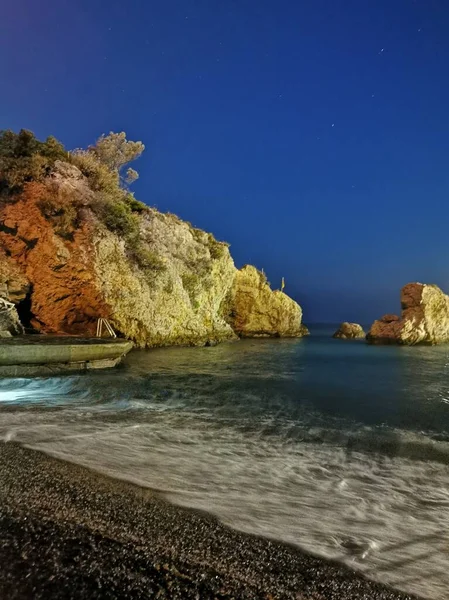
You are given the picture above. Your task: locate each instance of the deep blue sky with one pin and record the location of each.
(312, 135)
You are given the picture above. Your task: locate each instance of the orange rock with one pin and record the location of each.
(65, 298)
(424, 318)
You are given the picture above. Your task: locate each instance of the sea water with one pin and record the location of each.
(338, 447)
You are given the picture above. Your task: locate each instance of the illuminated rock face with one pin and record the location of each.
(349, 331)
(424, 318)
(255, 310)
(185, 291)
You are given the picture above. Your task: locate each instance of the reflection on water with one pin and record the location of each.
(339, 447)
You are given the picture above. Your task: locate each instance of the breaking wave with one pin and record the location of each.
(341, 449)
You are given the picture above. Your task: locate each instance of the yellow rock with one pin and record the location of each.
(255, 310)
(424, 319)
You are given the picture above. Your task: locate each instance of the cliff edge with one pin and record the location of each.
(76, 246)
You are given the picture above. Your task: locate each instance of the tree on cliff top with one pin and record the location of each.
(104, 166)
(24, 158)
(115, 151)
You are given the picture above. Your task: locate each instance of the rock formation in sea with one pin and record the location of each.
(424, 318)
(77, 246)
(349, 331)
(254, 310)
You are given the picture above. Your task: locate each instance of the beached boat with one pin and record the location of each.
(46, 354)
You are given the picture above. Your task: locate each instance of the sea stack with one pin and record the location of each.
(349, 331)
(424, 318)
(255, 310)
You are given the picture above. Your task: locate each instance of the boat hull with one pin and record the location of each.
(30, 355)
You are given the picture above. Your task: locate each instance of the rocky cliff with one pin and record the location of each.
(254, 310)
(75, 246)
(424, 318)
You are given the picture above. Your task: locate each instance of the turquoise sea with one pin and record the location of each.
(336, 446)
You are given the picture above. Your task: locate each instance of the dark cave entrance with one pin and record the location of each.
(25, 314)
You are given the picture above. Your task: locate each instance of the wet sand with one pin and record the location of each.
(67, 532)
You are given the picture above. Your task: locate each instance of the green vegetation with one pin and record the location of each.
(168, 287)
(103, 164)
(148, 261)
(216, 249)
(57, 207)
(197, 234)
(117, 216)
(191, 282)
(24, 158)
(115, 152)
(136, 206)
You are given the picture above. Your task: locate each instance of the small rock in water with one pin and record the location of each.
(349, 331)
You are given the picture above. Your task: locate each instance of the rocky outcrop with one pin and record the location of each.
(253, 309)
(349, 331)
(176, 302)
(424, 318)
(65, 295)
(169, 283)
(14, 286)
(9, 320)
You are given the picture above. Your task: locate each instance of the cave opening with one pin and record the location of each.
(25, 313)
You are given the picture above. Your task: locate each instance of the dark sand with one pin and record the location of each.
(67, 532)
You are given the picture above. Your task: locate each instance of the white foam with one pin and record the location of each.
(387, 516)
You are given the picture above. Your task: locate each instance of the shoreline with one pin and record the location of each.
(68, 532)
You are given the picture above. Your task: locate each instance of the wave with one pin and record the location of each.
(343, 472)
(384, 515)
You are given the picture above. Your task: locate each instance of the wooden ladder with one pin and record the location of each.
(108, 327)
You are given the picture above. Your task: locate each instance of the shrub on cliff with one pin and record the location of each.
(57, 206)
(104, 166)
(148, 261)
(116, 215)
(23, 158)
(191, 282)
(100, 177)
(216, 248)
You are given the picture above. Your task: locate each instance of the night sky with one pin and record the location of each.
(312, 135)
